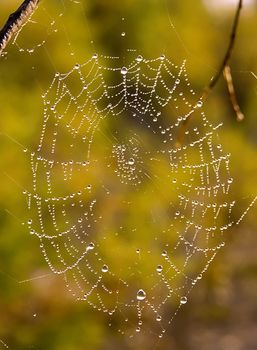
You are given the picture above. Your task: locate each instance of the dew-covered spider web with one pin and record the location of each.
(127, 216)
(119, 210)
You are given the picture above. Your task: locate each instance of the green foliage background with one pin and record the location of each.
(222, 310)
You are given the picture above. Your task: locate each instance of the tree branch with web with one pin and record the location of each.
(15, 22)
(225, 69)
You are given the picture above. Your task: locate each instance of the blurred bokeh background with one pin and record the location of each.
(38, 313)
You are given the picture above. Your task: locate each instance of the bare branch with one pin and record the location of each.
(230, 47)
(214, 80)
(15, 22)
(232, 93)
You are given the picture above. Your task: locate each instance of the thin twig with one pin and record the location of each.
(15, 22)
(228, 53)
(214, 80)
(232, 93)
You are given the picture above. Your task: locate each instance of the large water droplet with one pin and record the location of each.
(124, 70)
(105, 268)
(91, 246)
(159, 268)
(183, 300)
(139, 58)
(131, 161)
(141, 295)
(158, 318)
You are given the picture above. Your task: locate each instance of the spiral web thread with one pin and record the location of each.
(75, 179)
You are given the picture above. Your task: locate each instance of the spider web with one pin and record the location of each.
(127, 217)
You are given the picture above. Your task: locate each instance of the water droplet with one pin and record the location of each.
(123, 34)
(158, 318)
(105, 268)
(30, 221)
(164, 253)
(139, 58)
(199, 104)
(155, 119)
(95, 56)
(91, 246)
(131, 161)
(77, 66)
(124, 70)
(162, 57)
(141, 295)
(177, 81)
(159, 268)
(183, 300)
